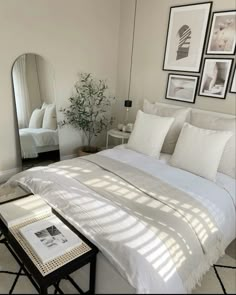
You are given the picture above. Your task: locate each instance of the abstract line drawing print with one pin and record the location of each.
(184, 35)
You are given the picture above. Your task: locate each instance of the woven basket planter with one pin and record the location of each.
(87, 150)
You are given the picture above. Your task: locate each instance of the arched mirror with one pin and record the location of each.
(34, 90)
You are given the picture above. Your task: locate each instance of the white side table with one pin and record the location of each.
(117, 134)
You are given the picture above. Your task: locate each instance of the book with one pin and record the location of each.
(50, 238)
(8, 193)
(18, 211)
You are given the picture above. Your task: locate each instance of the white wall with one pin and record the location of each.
(148, 79)
(73, 36)
(124, 56)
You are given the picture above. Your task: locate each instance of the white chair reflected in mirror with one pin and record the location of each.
(34, 91)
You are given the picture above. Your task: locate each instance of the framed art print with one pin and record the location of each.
(215, 77)
(186, 36)
(182, 88)
(223, 33)
(233, 83)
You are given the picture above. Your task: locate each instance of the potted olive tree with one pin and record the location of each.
(88, 110)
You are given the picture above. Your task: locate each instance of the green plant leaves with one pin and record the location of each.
(89, 107)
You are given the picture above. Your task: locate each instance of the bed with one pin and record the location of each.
(37, 140)
(158, 228)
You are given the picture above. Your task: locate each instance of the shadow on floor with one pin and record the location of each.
(44, 159)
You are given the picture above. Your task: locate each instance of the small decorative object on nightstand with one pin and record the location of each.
(117, 134)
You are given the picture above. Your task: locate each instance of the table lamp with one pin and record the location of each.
(127, 105)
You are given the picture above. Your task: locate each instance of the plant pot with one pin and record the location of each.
(87, 150)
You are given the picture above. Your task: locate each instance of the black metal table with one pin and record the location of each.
(41, 282)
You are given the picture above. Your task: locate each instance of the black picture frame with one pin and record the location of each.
(232, 79)
(230, 30)
(184, 30)
(186, 80)
(209, 82)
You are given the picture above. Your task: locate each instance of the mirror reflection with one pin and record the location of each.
(33, 83)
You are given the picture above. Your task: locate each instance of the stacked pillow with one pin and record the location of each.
(228, 160)
(50, 118)
(203, 148)
(199, 150)
(36, 118)
(44, 105)
(180, 116)
(149, 133)
(44, 117)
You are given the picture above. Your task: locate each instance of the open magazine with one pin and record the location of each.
(50, 238)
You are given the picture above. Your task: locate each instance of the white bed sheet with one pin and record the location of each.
(41, 136)
(218, 197)
(32, 140)
(227, 186)
(222, 180)
(226, 182)
(108, 279)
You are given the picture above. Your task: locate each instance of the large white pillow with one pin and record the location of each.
(36, 118)
(44, 105)
(50, 118)
(180, 115)
(199, 150)
(228, 160)
(149, 133)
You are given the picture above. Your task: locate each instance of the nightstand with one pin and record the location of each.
(117, 134)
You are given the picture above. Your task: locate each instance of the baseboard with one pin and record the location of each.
(5, 175)
(68, 157)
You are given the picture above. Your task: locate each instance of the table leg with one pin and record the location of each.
(122, 141)
(92, 276)
(43, 290)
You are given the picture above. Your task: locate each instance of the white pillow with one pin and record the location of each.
(36, 118)
(228, 160)
(149, 133)
(199, 150)
(44, 105)
(50, 118)
(179, 114)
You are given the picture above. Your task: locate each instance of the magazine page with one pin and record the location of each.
(50, 238)
(18, 211)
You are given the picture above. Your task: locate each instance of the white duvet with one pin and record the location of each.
(31, 138)
(64, 197)
(219, 197)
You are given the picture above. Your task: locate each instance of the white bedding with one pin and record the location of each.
(216, 199)
(224, 181)
(34, 139)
